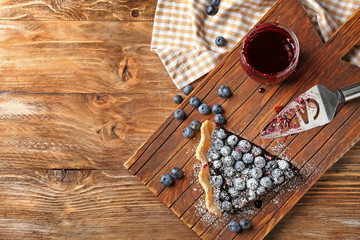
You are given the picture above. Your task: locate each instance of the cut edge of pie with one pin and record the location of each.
(207, 129)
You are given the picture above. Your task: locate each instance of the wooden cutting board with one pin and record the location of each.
(247, 111)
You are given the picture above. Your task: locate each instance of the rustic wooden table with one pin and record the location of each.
(81, 91)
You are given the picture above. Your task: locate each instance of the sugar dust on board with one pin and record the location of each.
(270, 50)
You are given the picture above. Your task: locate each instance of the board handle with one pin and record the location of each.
(345, 38)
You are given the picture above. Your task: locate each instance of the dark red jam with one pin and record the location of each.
(270, 53)
(270, 50)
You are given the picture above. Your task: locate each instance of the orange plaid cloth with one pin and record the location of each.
(184, 35)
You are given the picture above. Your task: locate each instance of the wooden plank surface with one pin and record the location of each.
(312, 152)
(64, 144)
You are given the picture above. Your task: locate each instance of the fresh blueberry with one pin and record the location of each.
(251, 195)
(259, 162)
(178, 99)
(224, 91)
(277, 173)
(279, 179)
(204, 108)
(233, 192)
(271, 165)
(234, 226)
(211, 10)
(188, 89)
(217, 108)
(220, 119)
(188, 132)
(229, 171)
(232, 140)
(256, 172)
(215, 2)
(220, 133)
(166, 180)
(283, 165)
(239, 166)
(260, 190)
(256, 151)
(228, 161)
(225, 151)
(217, 181)
(247, 158)
(226, 205)
(236, 155)
(176, 173)
(239, 184)
(252, 184)
(244, 146)
(195, 125)
(220, 41)
(266, 182)
(179, 114)
(217, 144)
(194, 102)
(245, 224)
(217, 164)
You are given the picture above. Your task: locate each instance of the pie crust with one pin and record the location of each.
(207, 129)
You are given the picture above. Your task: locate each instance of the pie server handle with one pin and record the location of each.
(348, 93)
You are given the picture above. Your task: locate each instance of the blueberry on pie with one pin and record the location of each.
(235, 172)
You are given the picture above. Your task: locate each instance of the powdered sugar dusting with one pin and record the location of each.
(194, 175)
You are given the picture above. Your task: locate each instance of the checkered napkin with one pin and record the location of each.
(184, 35)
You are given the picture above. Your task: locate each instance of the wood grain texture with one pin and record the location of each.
(93, 10)
(312, 152)
(76, 131)
(80, 57)
(63, 144)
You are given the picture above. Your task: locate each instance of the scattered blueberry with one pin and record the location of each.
(245, 224)
(188, 132)
(215, 2)
(289, 174)
(220, 41)
(188, 89)
(176, 173)
(217, 108)
(179, 114)
(224, 91)
(204, 108)
(211, 10)
(194, 102)
(178, 99)
(220, 119)
(166, 180)
(279, 179)
(195, 125)
(234, 226)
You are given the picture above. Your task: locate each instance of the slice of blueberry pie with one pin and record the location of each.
(234, 171)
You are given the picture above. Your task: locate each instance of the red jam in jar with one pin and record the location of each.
(270, 53)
